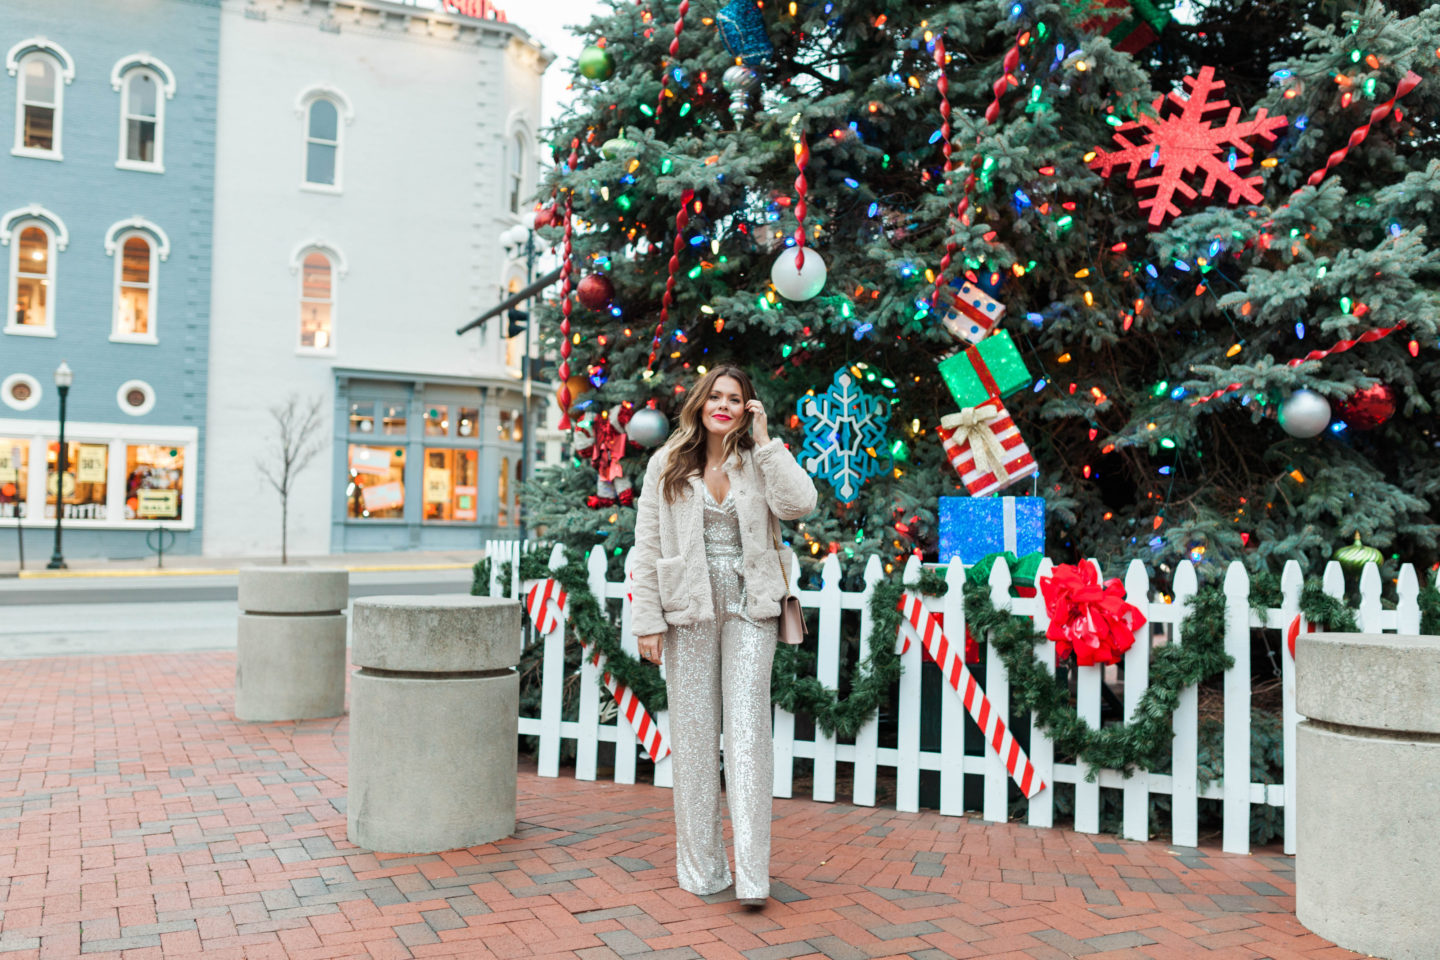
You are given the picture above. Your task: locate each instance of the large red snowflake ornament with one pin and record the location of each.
(1179, 140)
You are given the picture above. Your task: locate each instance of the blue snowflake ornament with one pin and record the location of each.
(844, 435)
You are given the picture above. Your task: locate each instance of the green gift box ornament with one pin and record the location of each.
(991, 368)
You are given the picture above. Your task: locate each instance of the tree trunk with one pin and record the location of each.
(284, 529)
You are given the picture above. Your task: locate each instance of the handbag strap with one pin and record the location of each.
(784, 574)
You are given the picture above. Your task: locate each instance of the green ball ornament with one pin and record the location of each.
(615, 146)
(1357, 555)
(596, 63)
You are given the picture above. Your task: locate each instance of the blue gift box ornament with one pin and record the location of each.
(743, 30)
(972, 527)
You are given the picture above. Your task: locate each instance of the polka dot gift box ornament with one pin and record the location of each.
(972, 313)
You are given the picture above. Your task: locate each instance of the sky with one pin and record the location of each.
(546, 21)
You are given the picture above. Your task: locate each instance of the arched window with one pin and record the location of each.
(517, 171)
(322, 143)
(37, 113)
(32, 280)
(135, 289)
(317, 302)
(142, 118)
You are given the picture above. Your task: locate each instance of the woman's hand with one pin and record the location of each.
(650, 647)
(759, 425)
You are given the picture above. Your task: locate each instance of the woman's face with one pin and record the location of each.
(724, 408)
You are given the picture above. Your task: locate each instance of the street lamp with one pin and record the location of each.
(63, 378)
(512, 239)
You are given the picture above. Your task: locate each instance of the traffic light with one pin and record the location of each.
(517, 321)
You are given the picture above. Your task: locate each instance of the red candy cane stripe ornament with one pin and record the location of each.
(545, 602)
(682, 220)
(674, 55)
(922, 623)
(567, 270)
(1409, 82)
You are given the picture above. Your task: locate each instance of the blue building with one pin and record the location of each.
(106, 209)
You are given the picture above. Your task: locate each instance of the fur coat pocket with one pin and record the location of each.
(670, 574)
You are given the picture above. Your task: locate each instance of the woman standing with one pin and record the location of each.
(707, 587)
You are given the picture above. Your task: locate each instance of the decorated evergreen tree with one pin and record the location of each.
(1159, 257)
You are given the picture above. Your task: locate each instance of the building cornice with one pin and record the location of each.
(435, 379)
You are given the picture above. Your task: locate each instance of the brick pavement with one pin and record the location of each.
(139, 819)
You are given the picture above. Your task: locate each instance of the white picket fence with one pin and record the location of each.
(597, 721)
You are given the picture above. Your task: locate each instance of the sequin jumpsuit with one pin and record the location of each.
(721, 669)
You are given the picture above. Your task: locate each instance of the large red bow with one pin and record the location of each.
(1091, 619)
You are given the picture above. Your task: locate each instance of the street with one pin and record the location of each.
(156, 614)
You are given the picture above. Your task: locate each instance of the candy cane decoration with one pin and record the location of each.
(997, 735)
(1409, 82)
(1369, 336)
(674, 55)
(567, 268)
(682, 220)
(546, 603)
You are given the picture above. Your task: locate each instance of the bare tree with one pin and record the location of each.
(295, 445)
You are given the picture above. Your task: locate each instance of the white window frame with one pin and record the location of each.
(338, 269)
(344, 115)
(10, 235)
(122, 83)
(117, 252)
(37, 392)
(117, 436)
(64, 73)
(515, 177)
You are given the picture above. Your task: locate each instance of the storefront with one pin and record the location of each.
(120, 483)
(430, 464)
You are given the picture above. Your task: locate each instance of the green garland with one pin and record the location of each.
(1143, 742)
(1430, 610)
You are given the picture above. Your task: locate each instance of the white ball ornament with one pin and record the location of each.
(798, 284)
(648, 427)
(1305, 414)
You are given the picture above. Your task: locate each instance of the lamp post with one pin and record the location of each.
(63, 378)
(514, 238)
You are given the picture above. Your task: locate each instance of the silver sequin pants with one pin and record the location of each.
(721, 668)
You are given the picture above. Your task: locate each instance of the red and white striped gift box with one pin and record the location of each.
(1016, 458)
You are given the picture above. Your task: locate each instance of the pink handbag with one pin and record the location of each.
(792, 618)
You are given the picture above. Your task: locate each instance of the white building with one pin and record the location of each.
(369, 155)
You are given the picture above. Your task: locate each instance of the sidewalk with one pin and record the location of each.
(189, 565)
(139, 819)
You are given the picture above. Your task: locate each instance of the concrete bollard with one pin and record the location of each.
(434, 718)
(1368, 791)
(290, 643)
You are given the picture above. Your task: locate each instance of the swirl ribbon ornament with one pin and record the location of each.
(1092, 619)
(974, 426)
(1409, 82)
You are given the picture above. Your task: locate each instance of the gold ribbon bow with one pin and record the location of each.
(972, 426)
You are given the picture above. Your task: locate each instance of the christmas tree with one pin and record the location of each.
(1222, 296)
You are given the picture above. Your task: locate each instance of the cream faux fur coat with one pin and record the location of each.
(670, 577)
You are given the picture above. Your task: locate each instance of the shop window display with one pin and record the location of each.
(362, 417)
(14, 470)
(394, 420)
(154, 481)
(450, 484)
(82, 489)
(469, 421)
(437, 421)
(377, 483)
(502, 498)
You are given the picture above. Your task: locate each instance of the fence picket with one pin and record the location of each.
(867, 740)
(997, 688)
(1135, 820)
(587, 738)
(626, 743)
(1407, 601)
(1368, 615)
(1042, 749)
(1087, 704)
(1292, 581)
(953, 717)
(827, 671)
(552, 681)
(1184, 751)
(1235, 832)
(907, 763)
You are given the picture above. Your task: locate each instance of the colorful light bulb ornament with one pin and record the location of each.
(1179, 140)
(844, 435)
(743, 29)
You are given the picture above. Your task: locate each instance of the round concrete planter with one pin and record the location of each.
(435, 706)
(290, 643)
(1368, 792)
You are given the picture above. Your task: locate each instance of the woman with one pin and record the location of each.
(707, 586)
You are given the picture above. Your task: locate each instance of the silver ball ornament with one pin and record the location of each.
(803, 283)
(1305, 414)
(648, 427)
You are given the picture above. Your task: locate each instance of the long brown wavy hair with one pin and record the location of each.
(687, 445)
